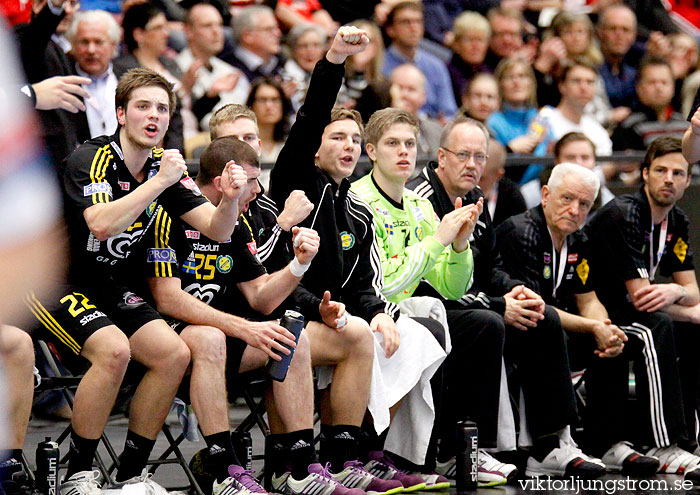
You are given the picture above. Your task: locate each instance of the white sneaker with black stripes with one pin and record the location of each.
(81, 483)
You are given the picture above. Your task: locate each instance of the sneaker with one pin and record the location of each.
(490, 471)
(622, 457)
(434, 481)
(354, 475)
(566, 460)
(693, 474)
(245, 478)
(143, 483)
(381, 466)
(489, 464)
(81, 483)
(675, 460)
(228, 487)
(318, 482)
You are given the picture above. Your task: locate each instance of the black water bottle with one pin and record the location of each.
(294, 322)
(47, 455)
(467, 456)
(243, 447)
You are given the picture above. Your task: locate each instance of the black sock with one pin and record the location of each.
(300, 452)
(339, 444)
(542, 446)
(221, 454)
(80, 454)
(275, 458)
(369, 441)
(10, 463)
(135, 455)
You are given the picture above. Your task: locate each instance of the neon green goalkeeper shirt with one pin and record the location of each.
(409, 252)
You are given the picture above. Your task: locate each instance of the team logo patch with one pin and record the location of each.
(547, 272)
(224, 263)
(547, 258)
(151, 208)
(347, 240)
(253, 248)
(131, 299)
(680, 249)
(161, 255)
(582, 270)
(260, 232)
(572, 258)
(124, 186)
(189, 266)
(389, 228)
(192, 234)
(419, 233)
(97, 188)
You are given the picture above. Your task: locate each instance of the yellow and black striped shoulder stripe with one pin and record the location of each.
(162, 236)
(157, 152)
(98, 170)
(245, 221)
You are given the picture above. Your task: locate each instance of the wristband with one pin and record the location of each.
(28, 90)
(297, 268)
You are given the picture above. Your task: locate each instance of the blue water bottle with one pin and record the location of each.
(294, 322)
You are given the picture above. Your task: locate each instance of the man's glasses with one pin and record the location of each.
(465, 156)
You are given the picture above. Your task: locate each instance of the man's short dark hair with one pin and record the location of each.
(570, 137)
(659, 147)
(413, 5)
(137, 16)
(219, 153)
(568, 65)
(652, 62)
(141, 78)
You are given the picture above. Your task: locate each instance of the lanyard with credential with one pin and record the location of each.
(654, 261)
(559, 275)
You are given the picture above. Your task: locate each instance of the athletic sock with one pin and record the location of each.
(369, 441)
(542, 446)
(301, 452)
(135, 456)
(10, 463)
(221, 454)
(80, 454)
(339, 443)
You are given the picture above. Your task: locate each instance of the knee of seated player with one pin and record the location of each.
(108, 348)
(205, 343)
(358, 338)
(16, 347)
(159, 348)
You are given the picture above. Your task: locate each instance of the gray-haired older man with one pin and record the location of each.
(545, 248)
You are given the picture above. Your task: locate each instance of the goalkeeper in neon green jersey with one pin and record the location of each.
(413, 243)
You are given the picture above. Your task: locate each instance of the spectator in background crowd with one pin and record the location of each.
(43, 52)
(404, 25)
(469, 40)
(210, 82)
(307, 44)
(94, 37)
(272, 109)
(146, 40)
(256, 36)
(653, 116)
(571, 36)
(481, 97)
(572, 147)
(507, 37)
(577, 82)
(514, 125)
(408, 94)
(502, 197)
(292, 13)
(684, 61)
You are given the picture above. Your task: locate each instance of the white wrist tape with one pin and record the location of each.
(297, 268)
